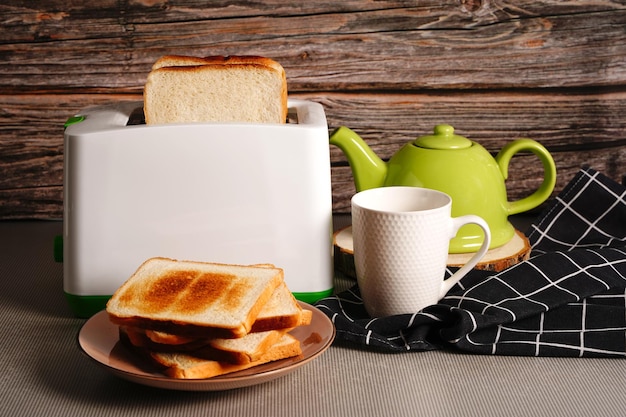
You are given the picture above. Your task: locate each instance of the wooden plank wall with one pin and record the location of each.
(553, 71)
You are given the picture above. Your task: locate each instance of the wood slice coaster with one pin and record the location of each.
(497, 259)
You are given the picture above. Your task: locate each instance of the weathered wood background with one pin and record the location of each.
(554, 71)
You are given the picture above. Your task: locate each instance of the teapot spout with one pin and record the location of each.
(368, 170)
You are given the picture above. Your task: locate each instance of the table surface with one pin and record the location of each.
(45, 373)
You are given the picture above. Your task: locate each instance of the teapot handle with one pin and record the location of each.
(549, 173)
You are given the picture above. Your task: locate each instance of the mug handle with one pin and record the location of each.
(457, 223)
(549, 173)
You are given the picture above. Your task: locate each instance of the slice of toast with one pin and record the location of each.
(246, 349)
(186, 366)
(248, 89)
(139, 338)
(282, 311)
(236, 351)
(194, 299)
(162, 338)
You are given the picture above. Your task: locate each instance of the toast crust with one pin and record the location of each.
(184, 60)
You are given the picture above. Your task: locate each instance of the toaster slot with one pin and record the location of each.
(292, 115)
(137, 116)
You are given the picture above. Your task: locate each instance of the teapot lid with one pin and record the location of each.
(443, 138)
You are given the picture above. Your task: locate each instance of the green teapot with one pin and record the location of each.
(457, 166)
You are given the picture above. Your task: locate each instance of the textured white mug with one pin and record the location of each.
(401, 237)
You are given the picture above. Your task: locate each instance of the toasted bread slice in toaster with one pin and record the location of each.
(247, 89)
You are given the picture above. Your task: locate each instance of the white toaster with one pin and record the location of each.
(226, 193)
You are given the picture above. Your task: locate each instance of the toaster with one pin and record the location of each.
(210, 192)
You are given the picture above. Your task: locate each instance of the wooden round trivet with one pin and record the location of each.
(497, 259)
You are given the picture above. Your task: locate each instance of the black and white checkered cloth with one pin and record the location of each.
(568, 299)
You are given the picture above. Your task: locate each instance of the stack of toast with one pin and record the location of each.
(200, 320)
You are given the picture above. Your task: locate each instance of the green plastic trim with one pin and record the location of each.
(58, 249)
(73, 120)
(312, 297)
(85, 306)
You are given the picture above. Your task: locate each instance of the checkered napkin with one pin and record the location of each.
(568, 299)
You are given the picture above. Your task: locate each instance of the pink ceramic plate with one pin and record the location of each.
(99, 339)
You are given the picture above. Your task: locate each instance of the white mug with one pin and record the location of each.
(401, 237)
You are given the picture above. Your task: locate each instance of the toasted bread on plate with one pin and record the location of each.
(282, 311)
(199, 320)
(194, 299)
(183, 365)
(243, 350)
